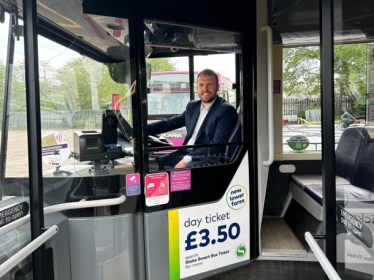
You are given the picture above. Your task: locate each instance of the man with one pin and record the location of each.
(208, 120)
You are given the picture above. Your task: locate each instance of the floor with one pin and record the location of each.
(276, 234)
(282, 270)
(301, 221)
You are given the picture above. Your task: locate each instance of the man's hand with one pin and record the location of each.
(181, 164)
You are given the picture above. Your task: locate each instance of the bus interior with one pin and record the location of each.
(298, 157)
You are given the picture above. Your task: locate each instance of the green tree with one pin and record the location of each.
(18, 94)
(350, 73)
(162, 64)
(50, 99)
(302, 71)
(106, 86)
(74, 80)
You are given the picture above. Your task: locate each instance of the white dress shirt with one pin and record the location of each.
(203, 113)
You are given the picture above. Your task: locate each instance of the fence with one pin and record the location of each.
(293, 106)
(59, 119)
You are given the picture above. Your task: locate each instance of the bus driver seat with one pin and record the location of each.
(236, 136)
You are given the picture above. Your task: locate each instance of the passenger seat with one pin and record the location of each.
(354, 175)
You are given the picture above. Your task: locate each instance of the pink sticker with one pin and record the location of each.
(115, 98)
(157, 189)
(277, 86)
(180, 180)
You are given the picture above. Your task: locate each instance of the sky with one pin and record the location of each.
(57, 55)
(221, 63)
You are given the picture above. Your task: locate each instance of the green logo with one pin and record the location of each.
(240, 251)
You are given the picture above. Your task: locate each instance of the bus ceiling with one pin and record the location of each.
(106, 39)
(296, 22)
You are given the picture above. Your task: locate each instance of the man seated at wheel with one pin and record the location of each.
(208, 120)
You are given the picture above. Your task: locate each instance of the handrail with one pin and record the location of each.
(269, 32)
(326, 265)
(65, 206)
(31, 247)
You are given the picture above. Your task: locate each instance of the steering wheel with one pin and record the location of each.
(125, 127)
(158, 141)
(127, 132)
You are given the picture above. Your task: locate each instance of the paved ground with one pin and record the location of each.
(17, 153)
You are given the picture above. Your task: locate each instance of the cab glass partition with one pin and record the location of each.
(14, 186)
(175, 94)
(86, 113)
(225, 69)
(354, 80)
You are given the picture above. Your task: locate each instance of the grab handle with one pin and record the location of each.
(270, 93)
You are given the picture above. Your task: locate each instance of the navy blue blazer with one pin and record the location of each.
(216, 128)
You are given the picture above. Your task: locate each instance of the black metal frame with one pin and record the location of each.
(6, 104)
(30, 20)
(328, 139)
(247, 65)
(194, 146)
(191, 70)
(237, 79)
(160, 116)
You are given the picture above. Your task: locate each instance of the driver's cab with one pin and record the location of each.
(99, 90)
(171, 91)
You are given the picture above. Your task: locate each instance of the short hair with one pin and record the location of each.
(208, 72)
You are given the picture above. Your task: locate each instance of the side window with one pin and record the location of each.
(301, 99)
(15, 159)
(14, 183)
(302, 93)
(181, 116)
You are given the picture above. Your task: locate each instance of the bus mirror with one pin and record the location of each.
(121, 72)
(233, 86)
(2, 14)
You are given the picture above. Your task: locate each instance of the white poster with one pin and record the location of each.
(55, 148)
(213, 235)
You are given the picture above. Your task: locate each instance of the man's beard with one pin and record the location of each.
(210, 100)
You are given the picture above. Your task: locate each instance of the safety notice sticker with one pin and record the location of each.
(156, 189)
(180, 180)
(13, 213)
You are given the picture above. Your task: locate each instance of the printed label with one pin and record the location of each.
(13, 213)
(156, 189)
(207, 237)
(132, 184)
(180, 180)
(298, 143)
(115, 98)
(55, 148)
(355, 226)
